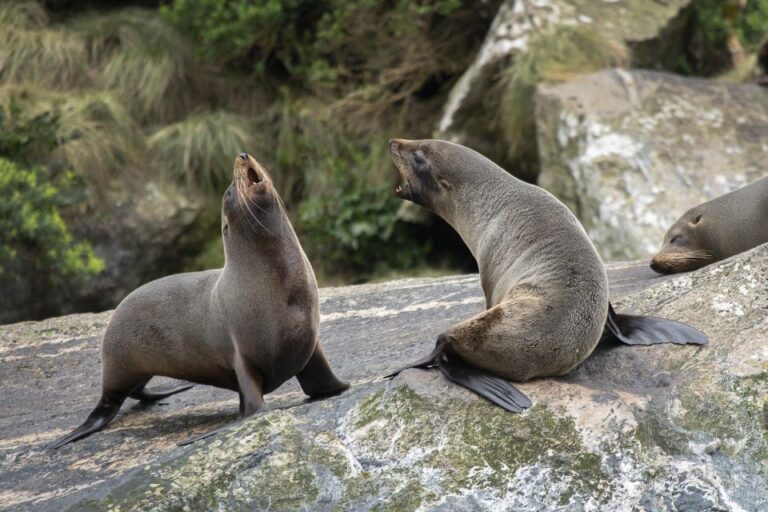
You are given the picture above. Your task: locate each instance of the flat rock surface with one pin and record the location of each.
(662, 427)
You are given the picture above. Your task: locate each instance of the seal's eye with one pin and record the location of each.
(677, 240)
(696, 219)
(418, 159)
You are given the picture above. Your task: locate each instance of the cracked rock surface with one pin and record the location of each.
(663, 427)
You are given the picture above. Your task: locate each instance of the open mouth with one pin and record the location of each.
(403, 190)
(253, 176)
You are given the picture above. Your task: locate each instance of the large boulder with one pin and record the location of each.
(140, 230)
(653, 31)
(631, 151)
(663, 427)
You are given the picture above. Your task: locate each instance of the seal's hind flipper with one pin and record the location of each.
(650, 330)
(99, 417)
(152, 394)
(485, 384)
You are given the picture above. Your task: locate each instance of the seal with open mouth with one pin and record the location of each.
(545, 286)
(248, 327)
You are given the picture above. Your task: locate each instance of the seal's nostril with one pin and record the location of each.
(393, 143)
(244, 156)
(654, 266)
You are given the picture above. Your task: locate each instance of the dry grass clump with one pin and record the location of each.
(93, 132)
(200, 149)
(145, 61)
(109, 81)
(34, 52)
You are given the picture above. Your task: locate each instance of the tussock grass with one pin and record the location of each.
(200, 150)
(555, 55)
(94, 133)
(145, 60)
(32, 52)
(111, 79)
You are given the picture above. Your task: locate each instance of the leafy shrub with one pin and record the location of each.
(715, 21)
(350, 225)
(24, 139)
(33, 235)
(335, 48)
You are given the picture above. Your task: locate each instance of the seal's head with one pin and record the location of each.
(250, 207)
(681, 250)
(435, 171)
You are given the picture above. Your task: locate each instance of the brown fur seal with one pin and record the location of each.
(545, 286)
(715, 230)
(248, 327)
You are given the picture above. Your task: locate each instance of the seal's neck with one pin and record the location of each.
(257, 260)
(482, 205)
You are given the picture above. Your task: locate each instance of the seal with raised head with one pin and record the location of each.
(716, 230)
(247, 327)
(545, 286)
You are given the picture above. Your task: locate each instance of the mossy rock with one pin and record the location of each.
(632, 428)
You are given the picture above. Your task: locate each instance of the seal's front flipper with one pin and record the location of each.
(485, 384)
(98, 419)
(317, 379)
(153, 394)
(650, 330)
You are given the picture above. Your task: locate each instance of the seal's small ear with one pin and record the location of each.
(444, 182)
(695, 220)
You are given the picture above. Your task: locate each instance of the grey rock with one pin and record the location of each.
(662, 427)
(631, 151)
(653, 31)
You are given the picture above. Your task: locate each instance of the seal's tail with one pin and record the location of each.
(489, 386)
(428, 361)
(98, 419)
(650, 330)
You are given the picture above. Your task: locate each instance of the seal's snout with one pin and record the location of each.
(655, 266)
(244, 157)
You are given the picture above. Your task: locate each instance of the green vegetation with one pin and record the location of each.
(310, 88)
(555, 55)
(723, 27)
(33, 233)
(352, 220)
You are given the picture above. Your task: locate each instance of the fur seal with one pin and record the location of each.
(716, 230)
(247, 327)
(545, 286)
